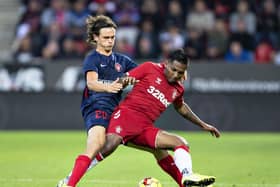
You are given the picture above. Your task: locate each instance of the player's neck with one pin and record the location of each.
(104, 52)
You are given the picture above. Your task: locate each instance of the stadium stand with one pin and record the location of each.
(8, 18)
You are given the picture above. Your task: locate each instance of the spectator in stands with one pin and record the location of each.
(71, 49)
(102, 7)
(77, 19)
(77, 25)
(165, 48)
(30, 19)
(245, 15)
(200, 18)
(242, 35)
(124, 46)
(127, 18)
(55, 25)
(54, 30)
(264, 53)
(222, 8)
(147, 41)
(175, 14)
(237, 54)
(150, 10)
(268, 23)
(195, 44)
(217, 40)
(57, 13)
(173, 35)
(29, 28)
(52, 48)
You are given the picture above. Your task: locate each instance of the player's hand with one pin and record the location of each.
(213, 130)
(114, 87)
(127, 81)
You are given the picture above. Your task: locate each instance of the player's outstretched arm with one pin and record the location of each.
(95, 85)
(185, 111)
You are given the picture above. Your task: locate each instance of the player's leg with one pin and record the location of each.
(94, 144)
(182, 158)
(96, 122)
(95, 141)
(164, 160)
(111, 143)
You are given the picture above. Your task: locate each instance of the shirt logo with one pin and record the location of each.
(118, 129)
(174, 94)
(118, 67)
(103, 65)
(158, 80)
(158, 95)
(117, 114)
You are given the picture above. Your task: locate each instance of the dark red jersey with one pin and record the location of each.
(153, 93)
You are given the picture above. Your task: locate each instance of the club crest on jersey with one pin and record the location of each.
(174, 94)
(118, 67)
(158, 80)
(118, 129)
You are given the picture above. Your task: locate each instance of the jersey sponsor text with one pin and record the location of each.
(158, 95)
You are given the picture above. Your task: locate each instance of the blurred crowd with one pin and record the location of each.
(244, 31)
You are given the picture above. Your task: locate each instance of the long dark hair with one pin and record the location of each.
(94, 24)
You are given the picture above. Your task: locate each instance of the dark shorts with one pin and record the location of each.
(133, 127)
(96, 117)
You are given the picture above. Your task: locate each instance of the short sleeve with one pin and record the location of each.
(90, 64)
(130, 64)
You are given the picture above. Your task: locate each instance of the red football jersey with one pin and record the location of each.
(153, 93)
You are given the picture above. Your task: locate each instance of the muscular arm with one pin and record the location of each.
(188, 114)
(185, 111)
(95, 85)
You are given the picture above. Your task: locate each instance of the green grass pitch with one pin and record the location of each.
(41, 158)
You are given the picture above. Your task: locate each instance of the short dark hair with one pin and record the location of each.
(179, 55)
(94, 24)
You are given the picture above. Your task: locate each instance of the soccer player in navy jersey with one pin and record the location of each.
(133, 120)
(104, 73)
(102, 69)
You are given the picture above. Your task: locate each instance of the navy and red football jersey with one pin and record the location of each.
(153, 93)
(109, 68)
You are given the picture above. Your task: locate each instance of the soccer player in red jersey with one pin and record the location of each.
(133, 120)
(102, 69)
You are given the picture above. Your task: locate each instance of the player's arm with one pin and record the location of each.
(185, 111)
(97, 86)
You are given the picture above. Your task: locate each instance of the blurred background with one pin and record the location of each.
(233, 81)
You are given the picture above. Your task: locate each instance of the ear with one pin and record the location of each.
(95, 37)
(185, 77)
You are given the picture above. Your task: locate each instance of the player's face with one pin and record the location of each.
(175, 71)
(106, 39)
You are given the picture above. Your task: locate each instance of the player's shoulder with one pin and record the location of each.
(180, 86)
(121, 57)
(152, 64)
